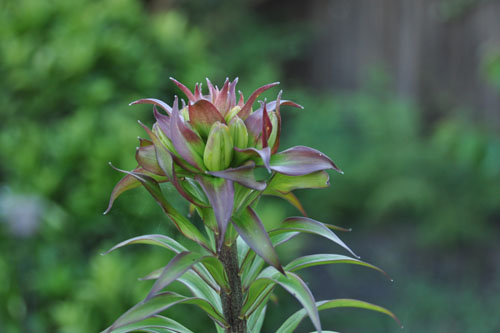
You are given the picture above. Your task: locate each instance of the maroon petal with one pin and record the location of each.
(220, 193)
(222, 100)
(154, 101)
(264, 154)
(186, 142)
(202, 115)
(241, 101)
(246, 109)
(267, 126)
(242, 175)
(301, 160)
(197, 92)
(211, 90)
(184, 89)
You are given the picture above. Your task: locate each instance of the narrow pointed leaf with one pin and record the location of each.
(177, 266)
(163, 122)
(202, 115)
(158, 240)
(154, 101)
(216, 269)
(182, 223)
(154, 322)
(295, 286)
(285, 183)
(247, 108)
(243, 175)
(256, 320)
(257, 293)
(220, 193)
(290, 197)
(255, 235)
(187, 143)
(294, 320)
(264, 154)
(161, 302)
(184, 89)
(199, 288)
(307, 225)
(267, 127)
(325, 259)
(301, 160)
(128, 183)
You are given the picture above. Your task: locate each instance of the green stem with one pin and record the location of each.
(232, 300)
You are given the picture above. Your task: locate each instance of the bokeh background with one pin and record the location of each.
(404, 95)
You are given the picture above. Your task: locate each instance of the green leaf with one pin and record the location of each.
(294, 320)
(255, 235)
(175, 268)
(325, 259)
(159, 240)
(307, 225)
(256, 320)
(216, 269)
(290, 197)
(220, 193)
(285, 184)
(182, 223)
(146, 157)
(258, 291)
(296, 287)
(161, 302)
(154, 322)
(201, 289)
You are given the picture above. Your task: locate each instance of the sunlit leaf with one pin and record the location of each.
(285, 184)
(154, 101)
(154, 322)
(325, 259)
(158, 240)
(307, 225)
(264, 155)
(294, 320)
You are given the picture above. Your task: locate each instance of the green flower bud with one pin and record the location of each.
(232, 113)
(219, 148)
(239, 133)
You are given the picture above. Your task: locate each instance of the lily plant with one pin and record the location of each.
(222, 156)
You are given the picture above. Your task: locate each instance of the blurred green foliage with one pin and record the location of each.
(69, 68)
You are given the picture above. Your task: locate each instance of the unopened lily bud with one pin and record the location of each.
(232, 113)
(163, 138)
(219, 148)
(274, 132)
(239, 133)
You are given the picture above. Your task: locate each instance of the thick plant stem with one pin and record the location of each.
(232, 300)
